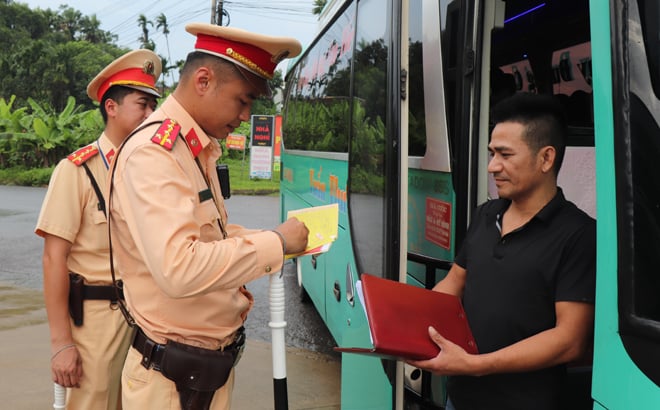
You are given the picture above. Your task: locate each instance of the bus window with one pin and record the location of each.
(318, 112)
(416, 117)
(525, 59)
(367, 159)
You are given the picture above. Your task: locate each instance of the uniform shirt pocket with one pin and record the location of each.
(206, 216)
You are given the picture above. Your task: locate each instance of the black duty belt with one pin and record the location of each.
(152, 352)
(102, 292)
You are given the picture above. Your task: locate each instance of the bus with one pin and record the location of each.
(386, 113)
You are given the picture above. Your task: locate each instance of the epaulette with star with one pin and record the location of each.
(166, 134)
(83, 154)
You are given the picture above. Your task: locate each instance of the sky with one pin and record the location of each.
(291, 18)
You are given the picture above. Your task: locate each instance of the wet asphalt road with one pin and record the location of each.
(20, 264)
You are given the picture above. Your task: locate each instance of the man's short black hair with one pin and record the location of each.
(222, 68)
(544, 120)
(117, 94)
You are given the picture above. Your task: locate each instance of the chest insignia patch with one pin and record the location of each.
(83, 154)
(166, 135)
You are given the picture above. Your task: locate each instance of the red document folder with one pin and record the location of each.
(399, 316)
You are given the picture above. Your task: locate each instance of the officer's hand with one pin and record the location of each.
(66, 367)
(295, 234)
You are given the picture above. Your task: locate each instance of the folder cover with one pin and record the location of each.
(399, 316)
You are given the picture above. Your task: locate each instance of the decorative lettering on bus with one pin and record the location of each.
(316, 186)
(425, 183)
(287, 175)
(329, 191)
(336, 194)
(437, 228)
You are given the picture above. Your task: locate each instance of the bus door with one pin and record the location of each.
(438, 187)
(626, 352)
(545, 48)
(509, 51)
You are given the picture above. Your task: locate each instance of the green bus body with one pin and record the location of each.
(386, 114)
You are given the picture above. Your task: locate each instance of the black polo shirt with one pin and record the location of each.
(511, 287)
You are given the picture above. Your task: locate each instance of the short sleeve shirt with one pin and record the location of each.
(513, 282)
(70, 210)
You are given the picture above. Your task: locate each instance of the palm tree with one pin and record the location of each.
(318, 6)
(161, 22)
(145, 42)
(70, 21)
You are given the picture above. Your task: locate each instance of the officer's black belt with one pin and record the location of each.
(152, 352)
(102, 292)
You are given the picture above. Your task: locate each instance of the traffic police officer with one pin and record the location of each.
(89, 336)
(183, 264)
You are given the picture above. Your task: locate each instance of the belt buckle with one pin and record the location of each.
(147, 351)
(155, 364)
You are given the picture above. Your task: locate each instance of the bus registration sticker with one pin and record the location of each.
(438, 222)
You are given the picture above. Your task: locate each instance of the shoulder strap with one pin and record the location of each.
(99, 195)
(118, 285)
(83, 154)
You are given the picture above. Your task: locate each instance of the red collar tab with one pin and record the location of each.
(193, 142)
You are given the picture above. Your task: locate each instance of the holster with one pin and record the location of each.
(196, 372)
(76, 297)
(79, 292)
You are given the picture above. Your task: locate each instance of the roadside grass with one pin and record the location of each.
(239, 178)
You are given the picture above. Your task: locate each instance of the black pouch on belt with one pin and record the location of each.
(76, 297)
(196, 372)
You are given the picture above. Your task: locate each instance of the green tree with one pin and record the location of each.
(161, 23)
(69, 22)
(318, 6)
(49, 55)
(145, 41)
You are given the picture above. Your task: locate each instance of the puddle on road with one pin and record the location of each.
(20, 307)
(9, 212)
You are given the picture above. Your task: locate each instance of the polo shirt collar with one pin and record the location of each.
(545, 214)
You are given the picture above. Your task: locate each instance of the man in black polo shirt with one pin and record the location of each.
(526, 271)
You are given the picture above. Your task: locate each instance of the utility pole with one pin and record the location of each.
(220, 12)
(213, 8)
(216, 12)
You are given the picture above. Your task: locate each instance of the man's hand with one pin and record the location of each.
(66, 367)
(451, 360)
(295, 235)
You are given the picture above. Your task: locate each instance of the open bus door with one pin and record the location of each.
(438, 64)
(489, 50)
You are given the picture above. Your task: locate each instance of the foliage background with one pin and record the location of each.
(47, 58)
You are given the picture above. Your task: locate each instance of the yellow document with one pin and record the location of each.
(322, 223)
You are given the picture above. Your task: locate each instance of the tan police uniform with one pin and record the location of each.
(183, 264)
(71, 211)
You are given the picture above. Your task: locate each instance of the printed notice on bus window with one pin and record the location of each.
(438, 222)
(322, 223)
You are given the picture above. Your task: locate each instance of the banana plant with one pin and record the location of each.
(13, 125)
(52, 133)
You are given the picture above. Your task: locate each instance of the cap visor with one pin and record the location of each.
(143, 89)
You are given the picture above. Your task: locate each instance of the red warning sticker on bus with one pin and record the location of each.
(438, 222)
